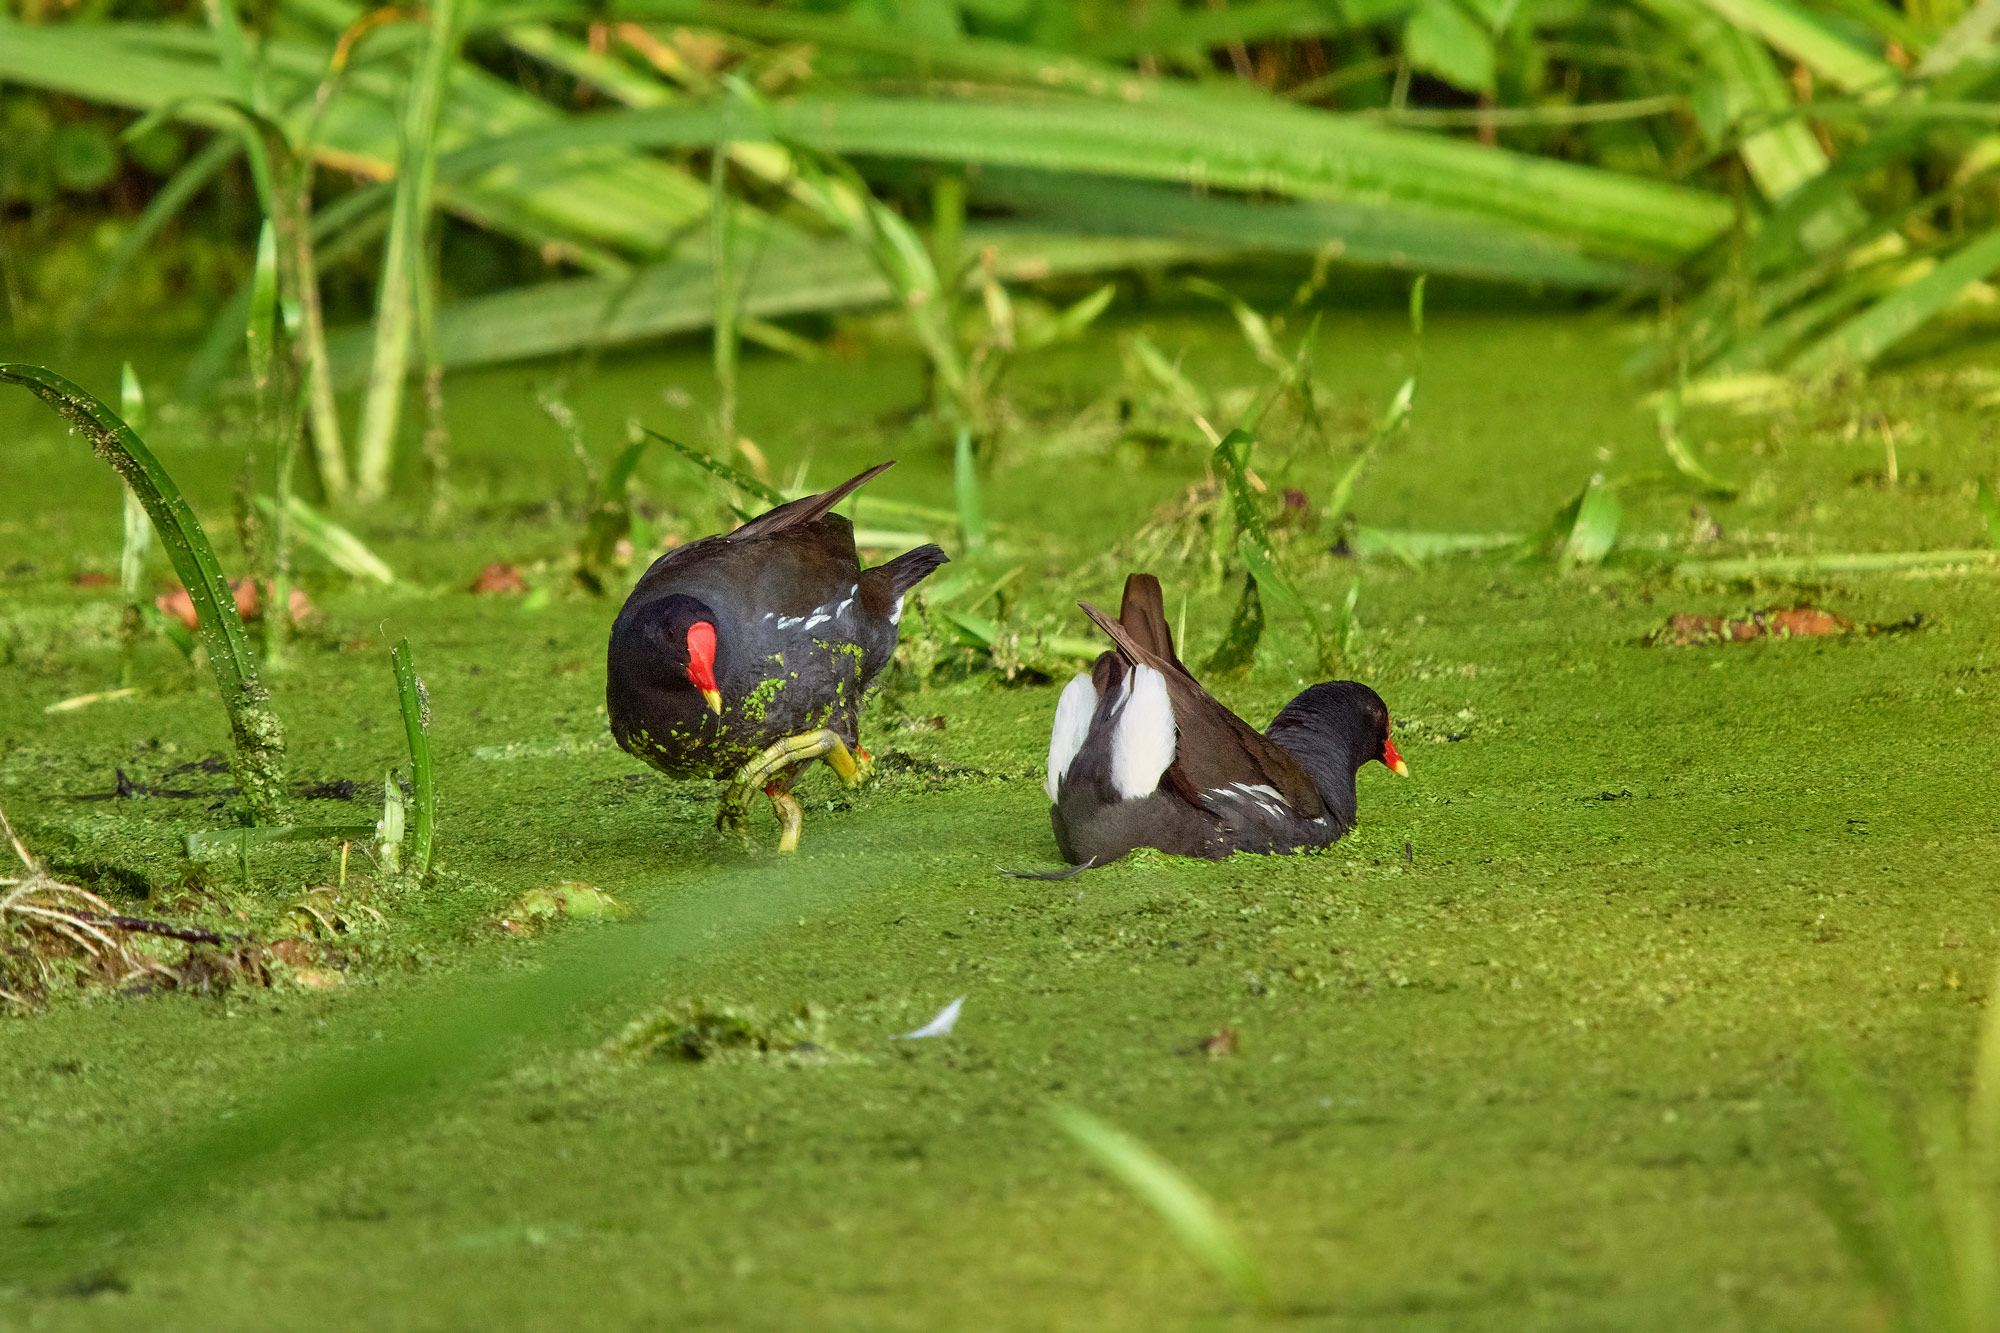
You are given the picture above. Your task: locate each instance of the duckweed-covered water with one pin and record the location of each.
(1533, 1048)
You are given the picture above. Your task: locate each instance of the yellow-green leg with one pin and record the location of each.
(770, 771)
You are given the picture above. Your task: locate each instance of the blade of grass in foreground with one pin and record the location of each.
(1187, 1212)
(458, 1033)
(254, 728)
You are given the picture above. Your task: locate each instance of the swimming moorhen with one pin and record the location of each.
(1142, 756)
(745, 655)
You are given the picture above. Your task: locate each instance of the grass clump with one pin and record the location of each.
(52, 934)
(697, 1031)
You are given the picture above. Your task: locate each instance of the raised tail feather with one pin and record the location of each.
(892, 578)
(808, 508)
(1143, 613)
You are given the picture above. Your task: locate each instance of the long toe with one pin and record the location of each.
(791, 818)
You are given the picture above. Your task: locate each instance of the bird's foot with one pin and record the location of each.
(791, 816)
(769, 771)
(854, 766)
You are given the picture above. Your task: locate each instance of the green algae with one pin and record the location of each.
(1530, 1048)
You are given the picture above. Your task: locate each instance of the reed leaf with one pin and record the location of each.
(258, 736)
(416, 707)
(1253, 148)
(1875, 330)
(1805, 38)
(341, 548)
(404, 267)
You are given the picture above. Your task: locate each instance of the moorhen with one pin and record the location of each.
(745, 655)
(1142, 756)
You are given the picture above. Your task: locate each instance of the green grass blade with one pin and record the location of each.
(138, 536)
(1369, 232)
(1875, 330)
(1254, 148)
(1238, 650)
(1187, 1212)
(1413, 548)
(416, 706)
(1862, 562)
(260, 328)
(403, 263)
(965, 484)
(258, 736)
(1394, 418)
(741, 480)
(138, 531)
(341, 548)
(1599, 513)
(240, 81)
(1803, 37)
(1668, 416)
(1779, 159)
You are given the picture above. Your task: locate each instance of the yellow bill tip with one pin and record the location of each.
(1399, 768)
(714, 700)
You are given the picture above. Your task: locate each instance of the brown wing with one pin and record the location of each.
(807, 508)
(1216, 748)
(1143, 613)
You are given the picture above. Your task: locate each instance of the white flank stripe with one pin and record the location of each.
(1073, 712)
(1142, 744)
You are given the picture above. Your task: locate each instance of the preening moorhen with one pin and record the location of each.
(1143, 756)
(745, 655)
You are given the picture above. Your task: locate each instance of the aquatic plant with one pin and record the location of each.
(50, 930)
(415, 703)
(1820, 218)
(257, 735)
(1917, 1206)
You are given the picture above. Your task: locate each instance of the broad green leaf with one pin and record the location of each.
(1442, 39)
(1599, 512)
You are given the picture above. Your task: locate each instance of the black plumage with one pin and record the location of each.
(1143, 756)
(755, 639)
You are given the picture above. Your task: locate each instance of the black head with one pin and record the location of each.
(670, 644)
(1337, 726)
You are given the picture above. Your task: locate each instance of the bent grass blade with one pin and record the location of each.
(1187, 1212)
(258, 736)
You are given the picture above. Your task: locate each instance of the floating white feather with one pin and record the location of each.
(1073, 710)
(941, 1026)
(1142, 744)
